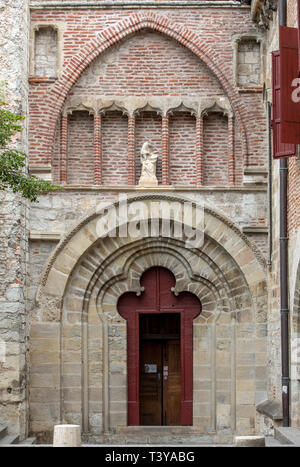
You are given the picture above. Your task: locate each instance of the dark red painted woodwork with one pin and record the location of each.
(289, 108)
(158, 298)
(279, 149)
(298, 8)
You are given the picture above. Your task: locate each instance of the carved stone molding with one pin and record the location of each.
(93, 216)
(132, 105)
(212, 105)
(262, 12)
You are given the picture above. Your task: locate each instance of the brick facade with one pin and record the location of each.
(129, 67)
(294, 165)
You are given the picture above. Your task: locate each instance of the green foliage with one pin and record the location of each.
(12, 161)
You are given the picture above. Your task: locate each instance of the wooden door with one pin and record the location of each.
(171, 383)
(160, 383)
(159, 301)
(151, 390)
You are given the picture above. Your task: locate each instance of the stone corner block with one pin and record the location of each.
(249, 441)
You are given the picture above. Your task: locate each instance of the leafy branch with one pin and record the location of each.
(13, 161)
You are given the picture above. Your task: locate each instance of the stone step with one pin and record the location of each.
(28, 441)
(272, 442)
(3, 431)
(159, 430)
(9, 439)
(162, 435)
(288, 435)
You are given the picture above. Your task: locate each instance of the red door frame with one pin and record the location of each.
(129, 307)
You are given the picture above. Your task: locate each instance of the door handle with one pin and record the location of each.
(158, 376)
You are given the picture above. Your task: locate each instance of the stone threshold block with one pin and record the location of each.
(249, 441)
(67, 436)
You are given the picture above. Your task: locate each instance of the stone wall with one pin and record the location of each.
(293, 228)
(14, 56)
(248, 71)
(227, 275)
(45, 51)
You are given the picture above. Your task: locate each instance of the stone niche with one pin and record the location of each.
(46, 52)
(248, 63)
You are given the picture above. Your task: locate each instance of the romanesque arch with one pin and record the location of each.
(78, 297)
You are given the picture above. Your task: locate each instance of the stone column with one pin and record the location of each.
(97, 150)
(64, 149)
(131, 150)
(231, 165)
(165, 157)
(199, 149)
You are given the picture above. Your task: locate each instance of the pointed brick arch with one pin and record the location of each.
(55, 98)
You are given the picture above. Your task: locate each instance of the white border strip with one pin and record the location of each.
(109, 4)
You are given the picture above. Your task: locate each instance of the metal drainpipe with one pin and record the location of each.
(270, 184)
(284, 302)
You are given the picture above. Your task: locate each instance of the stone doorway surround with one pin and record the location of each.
(78, 339)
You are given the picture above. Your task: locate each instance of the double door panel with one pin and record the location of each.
(160, 382)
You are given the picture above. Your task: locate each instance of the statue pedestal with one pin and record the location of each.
(148, 182)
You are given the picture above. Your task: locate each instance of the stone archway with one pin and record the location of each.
(78, 297)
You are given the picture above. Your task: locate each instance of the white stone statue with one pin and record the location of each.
(148, 161)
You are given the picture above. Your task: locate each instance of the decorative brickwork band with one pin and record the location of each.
(97, 151)
(64, 149)
(165, 160)
(131, 150)
(199, 149)
(231, 165)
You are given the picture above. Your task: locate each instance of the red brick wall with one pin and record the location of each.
(80, 160)
(183, 148)
(215, 143)
(114, 148)
(150, 63)
(56, 155)
(293, 164)
(292, 18)
(294, 194)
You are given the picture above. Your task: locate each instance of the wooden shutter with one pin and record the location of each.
(289, 109)
(298, 7)
(279, 149)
